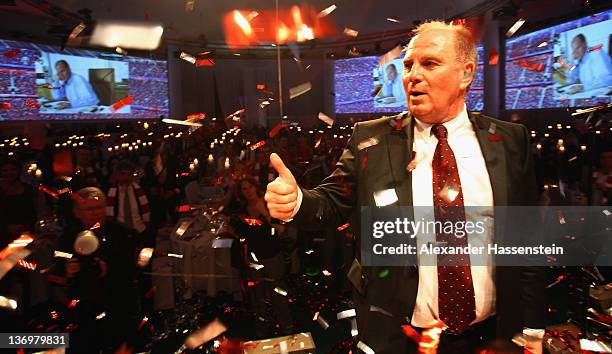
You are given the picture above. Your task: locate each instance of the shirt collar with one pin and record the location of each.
(461, 121)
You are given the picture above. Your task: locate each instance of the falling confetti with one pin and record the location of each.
(515, 27)
(326, 119)
(187, 57)
(350, 32)
(121, 103)
(327, 11)
(299, 90)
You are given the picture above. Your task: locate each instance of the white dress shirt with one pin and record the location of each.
(137, 223)
(477, 191)
(594, 70)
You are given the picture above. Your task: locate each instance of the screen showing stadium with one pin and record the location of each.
(42, 82)
(363, 86)
(567, 65)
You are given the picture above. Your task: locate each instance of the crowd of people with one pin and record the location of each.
(125, 196)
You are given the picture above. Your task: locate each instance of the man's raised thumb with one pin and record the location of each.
(279, 166)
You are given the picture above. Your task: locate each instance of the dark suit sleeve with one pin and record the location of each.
(532, 279)
(332, 202)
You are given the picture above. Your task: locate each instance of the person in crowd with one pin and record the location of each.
(264, 249)
(477, 303)
(72, 87)
(602, 179)
(127, 202)
(103, 279)
(84, 168)
(17, 202)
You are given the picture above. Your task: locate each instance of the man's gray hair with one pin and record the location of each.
(465, 44)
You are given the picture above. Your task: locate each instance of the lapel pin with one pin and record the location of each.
(495, 138)
(492, 128)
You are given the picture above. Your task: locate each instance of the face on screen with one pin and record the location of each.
(433, 78)
(578, 48)
(391, 72)
(63, 71)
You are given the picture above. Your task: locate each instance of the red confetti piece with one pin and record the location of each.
(238, 112)
(252, 222)
(342, 227)
(32, 104)
(318, 142)
(142, 322)
(529, 65)
(376, 90)
(411, 333)
(27, 265)
(257, 145)
(596, 48)
(12, 53)
(183, 208)
(121, 103)
(277, 128)
(48, 191)
(219, 180)
(5, 105)
(204, 62)
(196, 116)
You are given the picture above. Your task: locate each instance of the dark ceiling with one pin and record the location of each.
(53, 20)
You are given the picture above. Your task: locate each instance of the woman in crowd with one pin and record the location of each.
(253, 223)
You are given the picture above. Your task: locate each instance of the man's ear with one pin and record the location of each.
(468, 75)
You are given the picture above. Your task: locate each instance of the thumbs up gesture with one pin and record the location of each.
(281, 194)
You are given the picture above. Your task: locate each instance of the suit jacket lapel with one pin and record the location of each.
(399, 148)
(495, 159)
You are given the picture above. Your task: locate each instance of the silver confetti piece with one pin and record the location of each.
(280, 291)
(385, 197)
(346, 314)
(365, 348)
(321, 320)
(368, 143)
(449, 193)
(299, 90)
(354, 331)
(378, 309)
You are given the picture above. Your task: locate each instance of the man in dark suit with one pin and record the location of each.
(486, 162)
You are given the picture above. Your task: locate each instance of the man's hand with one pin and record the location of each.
(576, 89)
(282, 193)
(63, 105)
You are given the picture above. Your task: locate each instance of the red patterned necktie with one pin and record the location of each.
(456, 300)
